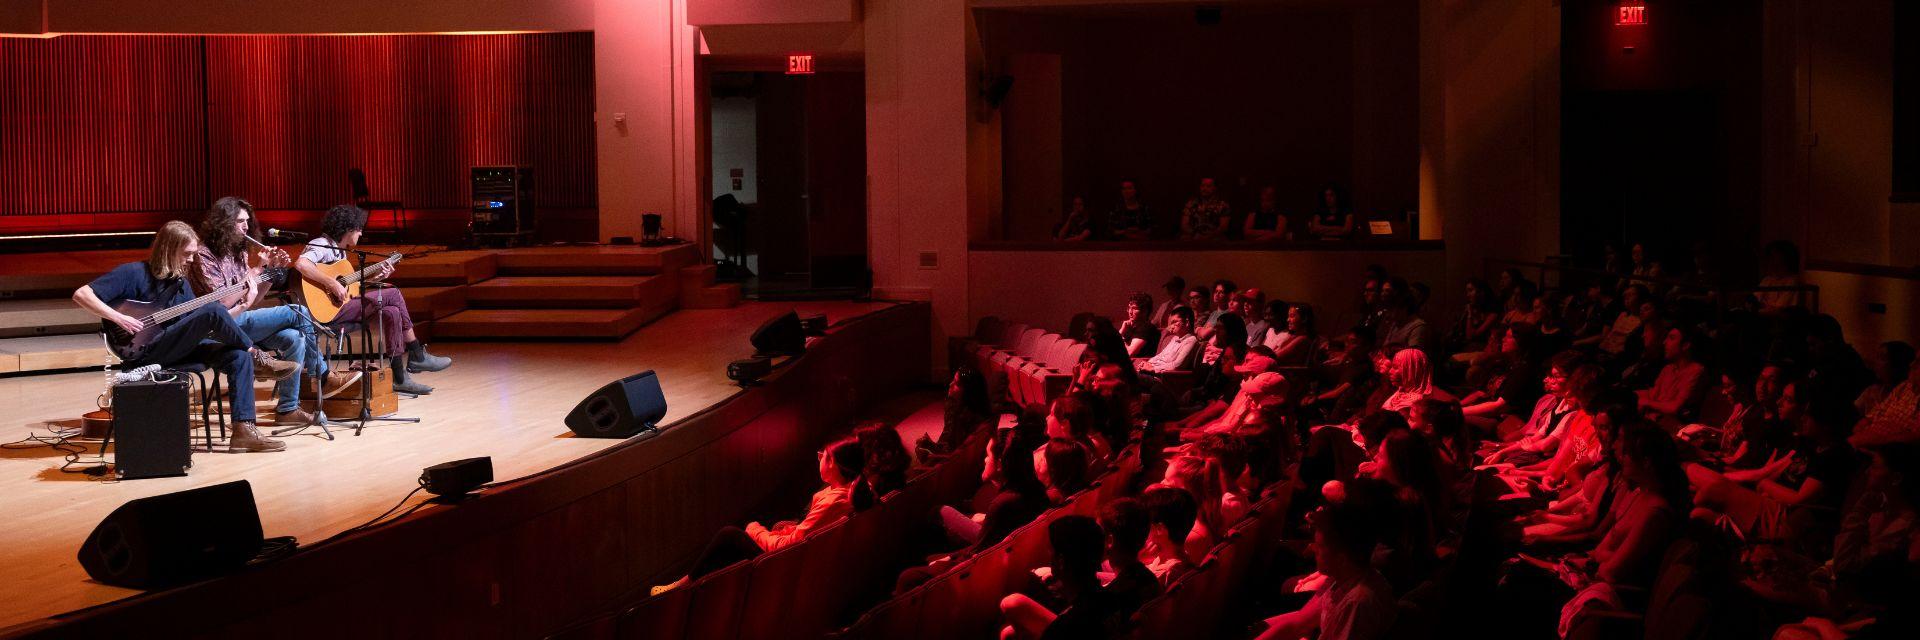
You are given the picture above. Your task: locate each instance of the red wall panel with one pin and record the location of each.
(284, 117)
(101, 124)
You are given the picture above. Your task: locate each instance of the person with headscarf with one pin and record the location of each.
(1412, 378)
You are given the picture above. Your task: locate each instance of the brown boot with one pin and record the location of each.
(247, 439)
(267, 367)
(296, 416)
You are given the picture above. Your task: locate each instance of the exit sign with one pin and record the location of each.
(799, 63)
(1631, 13)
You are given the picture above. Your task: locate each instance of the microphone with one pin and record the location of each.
(290, 235)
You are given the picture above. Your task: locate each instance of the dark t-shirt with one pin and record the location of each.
(1009, 511)
(1521, 389)
(1095, 616)
(1266, 220)
(1360, 377)
(131, 281)
(1833, 467)
(1124, 219)
(1144, 331)
(1133, 587)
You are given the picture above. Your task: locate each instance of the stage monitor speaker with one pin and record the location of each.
(782, 336)
(175, 538)
(620, 409)
(151, 436)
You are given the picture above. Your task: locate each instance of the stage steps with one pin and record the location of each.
(597, 292)
(547, 323)
(48, 353)
(44, 317)
(570, 292)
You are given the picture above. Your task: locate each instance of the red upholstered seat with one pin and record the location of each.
(718, 602)
(664, 616)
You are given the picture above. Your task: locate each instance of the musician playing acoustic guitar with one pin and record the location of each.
(205, 334)
(340, 230)
(225, 250)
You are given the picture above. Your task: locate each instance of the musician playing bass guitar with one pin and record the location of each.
(206, 333)
(340, 230)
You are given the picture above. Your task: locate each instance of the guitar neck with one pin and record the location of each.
(368, 272)
(181, 309)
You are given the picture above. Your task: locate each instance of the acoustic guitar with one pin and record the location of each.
(154, 318)
(315, 296)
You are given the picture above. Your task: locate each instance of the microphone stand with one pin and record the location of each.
(366, 341)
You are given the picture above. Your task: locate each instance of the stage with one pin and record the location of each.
(500, 399)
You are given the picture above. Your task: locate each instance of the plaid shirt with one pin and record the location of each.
(209, 272)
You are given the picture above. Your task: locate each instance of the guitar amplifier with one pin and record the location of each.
(151, 436)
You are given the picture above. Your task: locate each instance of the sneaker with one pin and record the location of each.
(296, 416)
(247, 439)
(267, 367)
(338, 382)
(411, 387)
(419, 361)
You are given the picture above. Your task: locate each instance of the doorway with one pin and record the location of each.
(787, 156)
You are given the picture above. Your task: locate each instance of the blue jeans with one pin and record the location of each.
(210, 335)
(285, 329)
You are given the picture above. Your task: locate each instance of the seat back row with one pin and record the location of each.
(1022, 364)
(963, 603)
(803, 590)
(1207, 593)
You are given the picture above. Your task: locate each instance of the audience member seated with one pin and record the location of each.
(1176, 344)
(1175, 287)
(1798, 493)
(1352, 377)
(1296, 343)
(1510, 385)
(1892, 367)
(1138, 332)
(1219, 301)
(1173, 512)
(1077, 224)
(841, 466)
(1629, 552)
(1205, 215)
(1582, 514)
(1081, 607)
(1251, 305)
(1354, 602)
(1412, 380)
(1546, 426)
(1333, 219)
(1402, 324)
(1779, 267)
(966, 410)
(1478, 315)
(1896, 417)
(1131, 219)
(1265, 223)
(886, 465)
(1677, 389)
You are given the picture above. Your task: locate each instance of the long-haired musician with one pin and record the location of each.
(207, 333)
(340, 230)
(226, 257)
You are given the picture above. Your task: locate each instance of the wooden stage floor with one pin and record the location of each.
(500, 399)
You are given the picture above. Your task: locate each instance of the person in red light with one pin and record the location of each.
(1356, 603)
(841, 464)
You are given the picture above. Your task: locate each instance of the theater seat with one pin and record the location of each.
(718, 602)
(663, 616)
(796, 591)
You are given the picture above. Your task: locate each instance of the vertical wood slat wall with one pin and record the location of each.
(93, 127)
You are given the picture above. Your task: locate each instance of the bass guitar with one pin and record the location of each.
(154, 318)
(323, 308)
